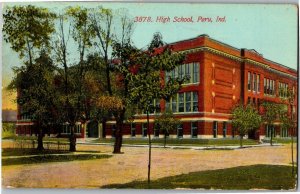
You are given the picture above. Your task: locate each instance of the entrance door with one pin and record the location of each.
(92, 128)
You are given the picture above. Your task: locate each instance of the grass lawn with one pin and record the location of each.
(176, 141)
(272, 177)
(51, 158)
(285, 140)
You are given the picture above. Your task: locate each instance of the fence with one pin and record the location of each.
(49, 145)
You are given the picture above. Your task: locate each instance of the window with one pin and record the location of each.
(167, 75)
(224, 129)
(283, 133)
(195, 72)
(132, 129)
(180, 71)
(168, 108)
(249, 81)
(265, 85)
(215, 129)
(270, 130)
(195, 102)
(78, 128)
(258, 83)
(191, 70)
(188, 101)
(157, 106)
(194, 129)
(188, 72)
(269, 87)
(181, 102)
(254, 82)
(144, 129)
(180, 131)
(66, 129)
(174, 103)
(283, 88)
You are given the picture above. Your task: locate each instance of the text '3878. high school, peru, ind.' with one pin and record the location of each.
(180, 19)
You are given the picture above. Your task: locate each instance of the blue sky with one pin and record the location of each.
(269, 29)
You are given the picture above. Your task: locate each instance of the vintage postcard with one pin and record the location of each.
(106, 95)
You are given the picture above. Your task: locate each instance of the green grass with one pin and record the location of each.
(51, 158)
(285, 140)
(273, 177)
(8, 130)
(176, 141)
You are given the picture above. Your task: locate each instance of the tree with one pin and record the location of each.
(109, 43)
(271, 114)
(75, 98)
(37, 94)
(288, 121)
(146, 84)
(28, 29)
(166, 123)
(244, 119)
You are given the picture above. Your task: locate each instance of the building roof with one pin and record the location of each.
(204, 41)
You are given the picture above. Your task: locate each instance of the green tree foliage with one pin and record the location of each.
(28, 29)
(146, 83)
(245, 118)
(271, 115)
(37, 94)
(166, 123)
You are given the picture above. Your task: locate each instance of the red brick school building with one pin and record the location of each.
(221, 76)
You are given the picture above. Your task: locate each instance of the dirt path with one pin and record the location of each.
(132, 165)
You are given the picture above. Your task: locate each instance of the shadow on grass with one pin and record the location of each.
(29, 151)
(273, 177)
(51, 158)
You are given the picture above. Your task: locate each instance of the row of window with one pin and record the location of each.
(194, 130)
(67, 129)
(253, 82)
(183, 102)
(269, 85)
(179, 132)
(270, 130)
(191, 70)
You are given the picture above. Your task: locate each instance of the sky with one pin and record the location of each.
(269, 29)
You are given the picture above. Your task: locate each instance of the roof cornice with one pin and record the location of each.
(237, 58)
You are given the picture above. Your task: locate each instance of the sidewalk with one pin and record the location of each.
(88, 141)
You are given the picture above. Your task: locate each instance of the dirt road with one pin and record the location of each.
(132, 165)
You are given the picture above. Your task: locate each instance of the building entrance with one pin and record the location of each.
(92, 128)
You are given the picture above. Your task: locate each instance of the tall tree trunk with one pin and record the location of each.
(149, 141)
(165, 139)
(40, 146)
(241, 141)
(119, 132)
(271, 141)
(118, 137)
(72, 139)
